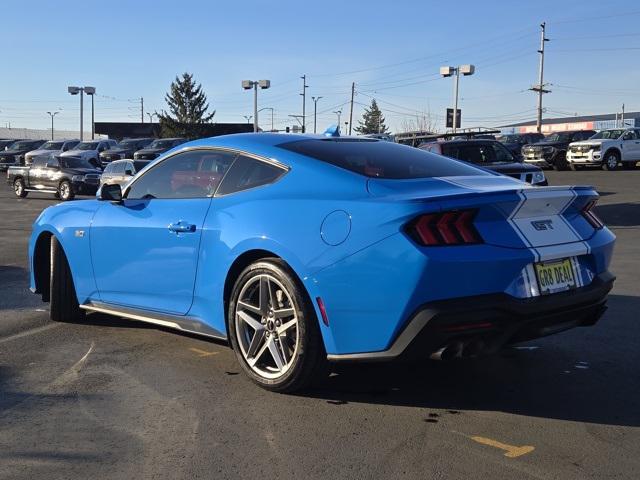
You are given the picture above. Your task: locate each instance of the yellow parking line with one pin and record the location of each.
(203, 353)
(510, 450)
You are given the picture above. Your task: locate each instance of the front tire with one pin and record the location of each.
(62, 293)
(611, 161)
(65, 192)
(561, 162)
(273, 328)
(19, 188)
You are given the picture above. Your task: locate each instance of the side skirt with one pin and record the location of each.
(177, 322)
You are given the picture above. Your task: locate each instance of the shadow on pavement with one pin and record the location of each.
(620, 214)
(592, 378)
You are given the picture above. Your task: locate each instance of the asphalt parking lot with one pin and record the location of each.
(115, 398)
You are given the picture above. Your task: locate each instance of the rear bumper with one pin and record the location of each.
(493, 321)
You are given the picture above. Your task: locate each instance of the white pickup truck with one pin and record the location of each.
(607, 148)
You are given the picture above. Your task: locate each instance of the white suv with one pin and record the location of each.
(90, 150)
(607, 148)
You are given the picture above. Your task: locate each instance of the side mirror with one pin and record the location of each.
(110, 192)
(128, 172)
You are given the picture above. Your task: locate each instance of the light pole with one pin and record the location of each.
(315, 111)
(268, 108)
(248, 118)
(91, 91)
(338, 113)
(449, 71)
(52, 114)
(81, 91)
(248, 85)
(151, 115)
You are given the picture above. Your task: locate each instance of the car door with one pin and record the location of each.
(145, 249)
(37, 173)
(631, 145)
(51, 174)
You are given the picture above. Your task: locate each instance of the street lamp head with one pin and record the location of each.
(90, 90)
(467, 69)
(447, 71)
(73, 90)
(247, 84)
(264, 84)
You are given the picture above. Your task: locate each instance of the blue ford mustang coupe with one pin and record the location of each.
(302, 250)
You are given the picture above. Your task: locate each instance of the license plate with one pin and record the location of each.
(556, 276)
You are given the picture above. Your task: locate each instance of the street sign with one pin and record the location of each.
(450, 118)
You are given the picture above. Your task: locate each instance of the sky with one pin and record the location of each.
(391, 50)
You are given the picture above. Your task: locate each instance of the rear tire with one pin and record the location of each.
(277, 357)
(62, 293)
(611, 161)
(19, 188)
(65, 192)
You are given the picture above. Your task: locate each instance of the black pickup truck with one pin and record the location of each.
(65, 177)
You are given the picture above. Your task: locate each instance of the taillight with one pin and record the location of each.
(590, 216)
(446, 228)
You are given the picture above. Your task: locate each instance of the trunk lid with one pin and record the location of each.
(510, 213)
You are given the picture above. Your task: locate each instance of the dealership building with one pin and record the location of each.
(583, 122)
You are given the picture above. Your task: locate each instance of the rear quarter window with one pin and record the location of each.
(380, 159)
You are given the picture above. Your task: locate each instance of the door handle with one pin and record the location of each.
(182, 227)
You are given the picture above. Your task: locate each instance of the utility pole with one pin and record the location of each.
(540, 87)
(315, 112)
(622, 116)
(304, 102)
(353, 92)
(141, 110)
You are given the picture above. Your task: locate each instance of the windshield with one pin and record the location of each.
(161, 144)
(614, 134)
(380, 159)
(52, 146)
(73, 162)
(509, 138)
(87, 146)
(558, 137)
(20, 145)
(128, 144)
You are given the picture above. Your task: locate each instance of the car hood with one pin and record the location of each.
(596, 141)
(116, 150)
(43, 152)
(152, 150)
(77, 153)
(546, 144)
(11, 153)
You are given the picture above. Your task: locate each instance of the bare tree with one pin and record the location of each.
(422, 122)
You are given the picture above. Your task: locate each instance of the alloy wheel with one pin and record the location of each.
(266, 325)
(64, 191)
(612, 162)
(18, 187)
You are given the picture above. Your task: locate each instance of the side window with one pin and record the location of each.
(107, 170)
(248, 173)
(39, 163)
(192, 174)
(501, 153)
(117, 168)
(630, 135)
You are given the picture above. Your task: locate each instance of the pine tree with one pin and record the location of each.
(372, 120)
(188, 109)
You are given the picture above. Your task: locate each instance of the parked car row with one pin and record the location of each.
(67, 168)
(576, 149)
